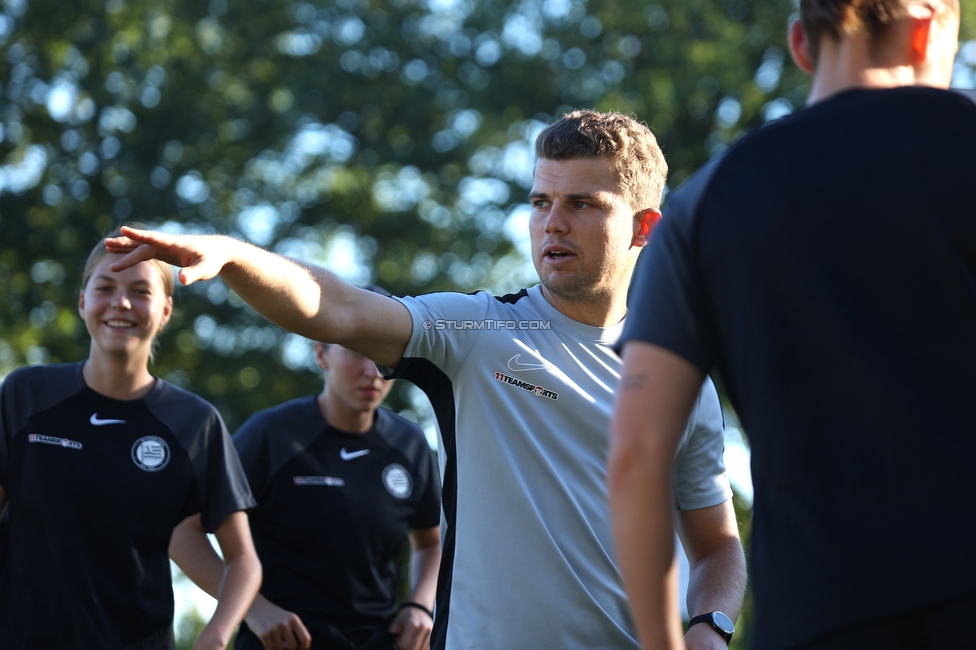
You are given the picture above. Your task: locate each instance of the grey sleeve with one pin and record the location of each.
(700, 480)
(445, 327)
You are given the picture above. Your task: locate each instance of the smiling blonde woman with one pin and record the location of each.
(99, 460)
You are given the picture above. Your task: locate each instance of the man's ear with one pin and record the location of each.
(800, 46)
(920, 23)
(644, 224)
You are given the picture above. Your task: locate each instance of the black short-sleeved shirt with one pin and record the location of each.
(95, 486)
(826, 266)
(334, 510)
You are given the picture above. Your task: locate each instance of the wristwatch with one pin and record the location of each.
(719, 622)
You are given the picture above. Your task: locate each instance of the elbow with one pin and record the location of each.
(250, 573)
(246, 563)
(253, 567)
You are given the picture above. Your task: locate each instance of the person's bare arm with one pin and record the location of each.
(717, 581)
(238, 580)
(191, 550)
(411, 624)
(657, 392)
(301, 298)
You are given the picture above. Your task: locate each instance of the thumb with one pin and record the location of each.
(197, 269)
(187, 277)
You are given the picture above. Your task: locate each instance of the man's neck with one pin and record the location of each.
(836, 80)
(852, 62)
(599, 311)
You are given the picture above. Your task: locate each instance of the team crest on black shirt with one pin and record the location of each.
(150, 453)
(397, 481)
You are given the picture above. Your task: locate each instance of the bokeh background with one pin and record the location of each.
(390, 140)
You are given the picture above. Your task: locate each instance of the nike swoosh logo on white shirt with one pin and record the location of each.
(98, 422)
(349, 455)
(516, 366)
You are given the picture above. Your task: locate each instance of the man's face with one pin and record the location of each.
(582, 230)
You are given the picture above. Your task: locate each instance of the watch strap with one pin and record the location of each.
(710, 619)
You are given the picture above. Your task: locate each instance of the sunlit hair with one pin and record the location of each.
(635, 156)
(99, 251)
(840, 18)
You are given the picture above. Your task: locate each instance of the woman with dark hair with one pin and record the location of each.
(99, 460)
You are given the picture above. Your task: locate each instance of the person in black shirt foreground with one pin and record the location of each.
(825, 265)
(341, 484)
(99, 460)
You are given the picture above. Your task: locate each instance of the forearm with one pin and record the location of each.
(424, 564)
(240, 574)
(640, 504)
(301, 298)
(319, 305)
(240, 584)
(287, 293)
(657, 391)
(190, 548)
(717, 582)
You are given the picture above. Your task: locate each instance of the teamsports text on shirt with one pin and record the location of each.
(487, 324)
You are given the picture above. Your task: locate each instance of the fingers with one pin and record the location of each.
(413, 627)
(132, 255)
(137, 246)
(143, 236)
(287, 635)
(288, 640)
(413, 639)
(301, 635)
(200, 256)
(132, 239)
(277, 638)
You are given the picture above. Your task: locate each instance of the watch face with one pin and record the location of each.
(723, 622)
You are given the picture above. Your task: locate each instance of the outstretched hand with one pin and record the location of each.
(201, 256)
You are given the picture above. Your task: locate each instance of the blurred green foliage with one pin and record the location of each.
(389, 139)
(188, 628)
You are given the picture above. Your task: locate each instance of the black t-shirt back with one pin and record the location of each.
(826, 267)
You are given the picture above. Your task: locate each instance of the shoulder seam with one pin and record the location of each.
(512, 298)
